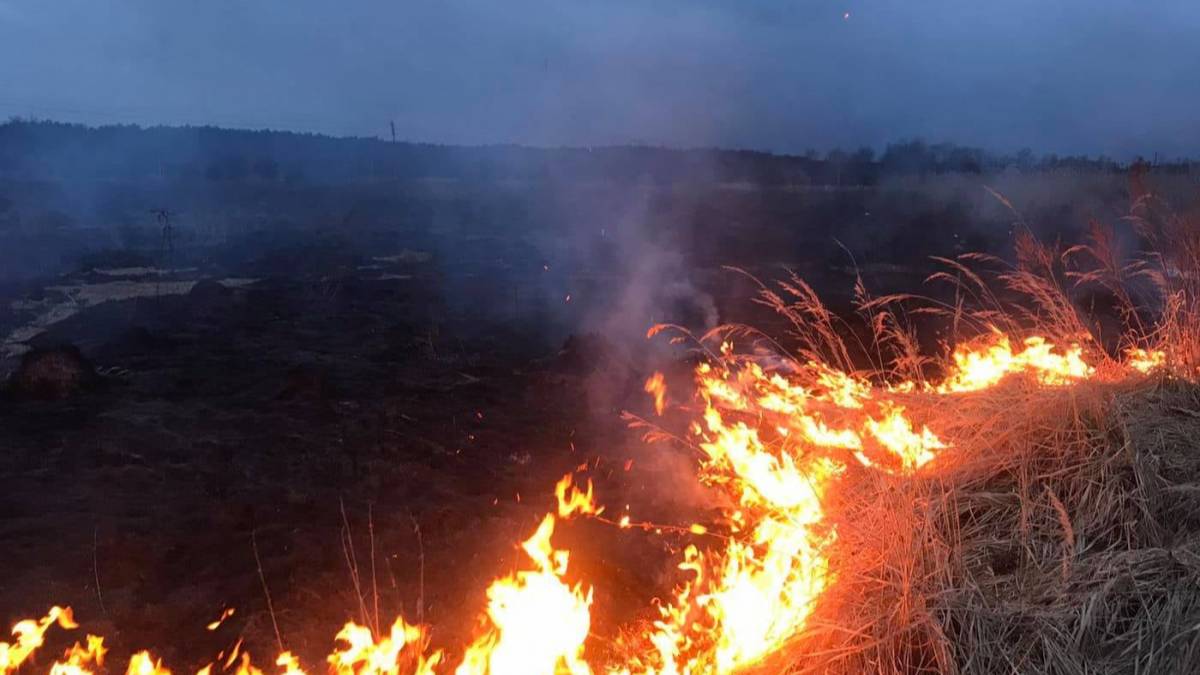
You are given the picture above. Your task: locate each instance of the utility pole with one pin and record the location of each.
(167, 241)
(166, 249)
(392, 161)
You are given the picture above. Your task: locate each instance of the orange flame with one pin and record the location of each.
(30, 635)
(142, 663)
(221, 619)
(571, 500)
(1145, 360)
(978, 368)
(775, 443)
(79, 659)
(289, 664)
(364, 655)
(656, 386)
(538, 623)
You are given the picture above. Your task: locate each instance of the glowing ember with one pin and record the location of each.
(220, 620)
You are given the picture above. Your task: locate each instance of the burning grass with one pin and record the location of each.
(1056, 533)
(1051, 539)
(1021, 502)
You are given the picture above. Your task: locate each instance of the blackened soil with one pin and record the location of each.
(330, 427)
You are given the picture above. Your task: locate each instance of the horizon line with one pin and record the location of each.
(812, 154)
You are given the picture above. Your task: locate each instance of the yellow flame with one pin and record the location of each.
(538, 624)
(980, 367)
(572, 500)
(656, 386)
(245, 667)
(30, 635)
(221, 619)
(774, 442)
(80, 660)
(895, 432)
(289, 664)
(364, 655)
(142, 663)
(1145, 360)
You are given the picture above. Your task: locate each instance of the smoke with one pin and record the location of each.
(619, 253)
(654, 280)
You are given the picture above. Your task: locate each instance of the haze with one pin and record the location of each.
(1073, 76)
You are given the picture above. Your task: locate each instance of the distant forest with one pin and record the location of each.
(53, 150)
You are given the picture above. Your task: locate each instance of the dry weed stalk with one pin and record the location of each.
(1061, 534)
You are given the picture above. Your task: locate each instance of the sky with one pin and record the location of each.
(1117, 77)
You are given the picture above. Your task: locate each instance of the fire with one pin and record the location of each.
(538, 623)
(767, 439)
(656, 386)
(290, 664)
(245, 667)
(142, 663)
(571, 500)
(1145, 360)
(30, 634)
(830, 410)
(981, 367)
(776, 443)
(221, 619)
(364, 655)
(895, 433)
(80, 660)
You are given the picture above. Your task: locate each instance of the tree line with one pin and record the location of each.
(45, 149)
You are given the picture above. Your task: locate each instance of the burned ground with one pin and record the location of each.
(360, 418)
(254, 418)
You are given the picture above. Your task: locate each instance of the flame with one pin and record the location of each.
(980, 367)
(245, 667)
(656, 386)
(142, 663)
(775, 443)
(79, 660)
(1145, 360)
(834, 410)
(743, 602)
(30, 634)
(290, 664)
(571, 500)
(895, 432)
(221, 619)
(538, 623)
(364, 655)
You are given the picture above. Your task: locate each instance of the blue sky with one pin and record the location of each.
(1067, 76)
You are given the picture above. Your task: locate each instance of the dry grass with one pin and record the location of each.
(1061, 534)
(1058, 537)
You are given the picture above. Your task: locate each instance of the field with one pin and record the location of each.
(319, 403)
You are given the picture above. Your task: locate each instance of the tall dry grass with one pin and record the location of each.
(1061, 533)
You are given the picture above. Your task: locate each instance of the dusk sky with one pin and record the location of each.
(1066, 76)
